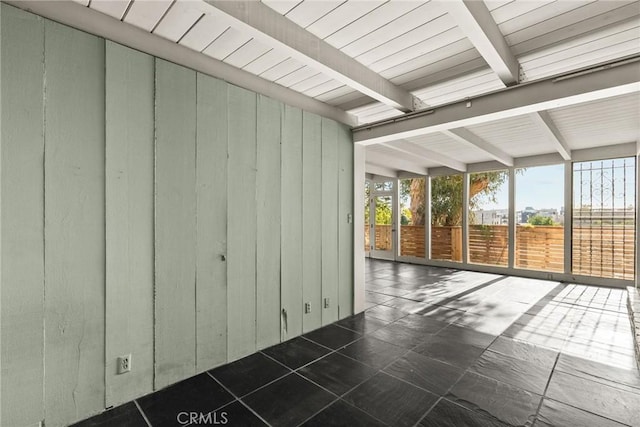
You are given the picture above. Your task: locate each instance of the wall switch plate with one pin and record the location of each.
(124, 364)
(327, 302)
(307, 307)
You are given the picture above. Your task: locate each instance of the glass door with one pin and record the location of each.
(382, 233)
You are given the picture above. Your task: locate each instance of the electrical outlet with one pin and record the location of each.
(307, 307)
(327, 302)
(124, 364)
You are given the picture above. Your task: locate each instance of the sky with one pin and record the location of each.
(542, 187)
(539, 187)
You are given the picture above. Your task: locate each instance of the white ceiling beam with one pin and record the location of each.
(272, 28)
(93, 22)
(426, 154)
(394, 163)
(380, 170)
(475, 21)
(575, 88)
(467, 137)
(544, 122)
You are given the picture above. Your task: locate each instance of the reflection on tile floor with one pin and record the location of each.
(436, 347)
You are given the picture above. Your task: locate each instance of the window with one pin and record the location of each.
(539, 218)
(604, 225)
(446, 217)
(489, 218)
(412, 217)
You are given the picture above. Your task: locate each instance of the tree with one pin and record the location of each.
(540, 220)
(446, 196)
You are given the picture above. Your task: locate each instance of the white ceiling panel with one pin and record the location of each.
(246, 53)
(311, 82)
(178, 20)
(516, 136)
(396, 28)
(600, 123)
(282, 69)
(370, 22)
(609, 43)
(226, 44)
(336, 93)
(539, 14)
(322, 88)
(454, 66)
(146, 14)
(445, 44)
(570, 24)
(297, 76)
(451, 148)
(403, 45)
(456, 89)
(268, 60)
(82, 2)
(204, 32)
(281, 6)
(308, 12)
(341, 16)
(114, 8)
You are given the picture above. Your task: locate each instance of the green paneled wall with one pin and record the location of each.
(154, 211)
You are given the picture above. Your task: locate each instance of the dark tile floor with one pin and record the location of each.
(435, 347)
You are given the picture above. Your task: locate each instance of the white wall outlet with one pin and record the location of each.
(307, 307)
(124, 364)
(327, 302)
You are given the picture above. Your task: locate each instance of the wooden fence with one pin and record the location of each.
(602, 252)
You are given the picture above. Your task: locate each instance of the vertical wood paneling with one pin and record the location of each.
(291, 246)
(312, 219)
(129, 225)
(21, 133)
(345, 222)
(211, 282)
(268, 216)
(175, 226)
(329, 220)
(74, 224)
(241, 187)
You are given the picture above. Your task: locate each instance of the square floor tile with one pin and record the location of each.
(296, 352)
(376, 297)
(425, 372)
(341, 414)
(521, 350)
(200, 394)
(234, 414)
(628, 379)
(247, 374)
(455, 353)
(516, 372)
(609, 402)
(467, 336)
(337, 373)
(558, 414)
(362, 323)
(400, 335)
(333, 336)
(391, 400)
(288, 401)
(373, 352)
(449, 414)
(383, 312)
(126, 415)
(506, 403)
(422, 324)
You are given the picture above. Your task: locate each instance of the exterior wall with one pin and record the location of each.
(151, 210)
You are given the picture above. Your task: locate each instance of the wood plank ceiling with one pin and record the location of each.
(437, 52)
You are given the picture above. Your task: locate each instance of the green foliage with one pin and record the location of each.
(540, 220)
